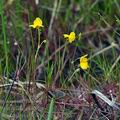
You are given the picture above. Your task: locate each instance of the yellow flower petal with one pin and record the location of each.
(65, 35)
(70, 37)
(37, 23)
(33, 26)
(84, 62)
(84, 66)
(83, 58)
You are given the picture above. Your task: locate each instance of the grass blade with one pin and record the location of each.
(51, 109)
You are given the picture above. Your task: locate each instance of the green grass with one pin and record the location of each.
(55, 65)
(51, 110)
(3, 19)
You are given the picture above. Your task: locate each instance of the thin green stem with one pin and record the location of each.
(77, 70)
(4, 37)
(39, 44)
(39, 36)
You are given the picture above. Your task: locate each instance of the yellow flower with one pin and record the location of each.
(70, 37)
(37, 23)
(84, 62)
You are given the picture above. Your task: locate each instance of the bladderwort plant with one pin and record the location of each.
(37, 24)
(84, 65)
(86, 19)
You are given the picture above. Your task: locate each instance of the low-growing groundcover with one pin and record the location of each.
(59, 60)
